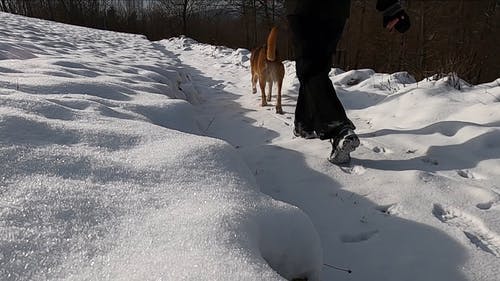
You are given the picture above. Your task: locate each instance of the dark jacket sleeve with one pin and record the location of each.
(388, 6)
(392, 10)
(330, 9)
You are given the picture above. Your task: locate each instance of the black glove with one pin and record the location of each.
(404, 21)
(393, 10)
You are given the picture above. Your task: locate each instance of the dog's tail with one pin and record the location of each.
(271, 44)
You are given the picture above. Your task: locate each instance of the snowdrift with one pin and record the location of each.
(124, 159)
(106, 175)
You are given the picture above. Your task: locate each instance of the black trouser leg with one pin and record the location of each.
(303, 118)
(318, 106)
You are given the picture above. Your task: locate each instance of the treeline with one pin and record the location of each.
(447, 35)
(459, 36)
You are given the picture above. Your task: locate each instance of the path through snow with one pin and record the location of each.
(378, 215)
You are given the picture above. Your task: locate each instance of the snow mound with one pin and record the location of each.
(367, 80)
(449, 80)
(403, 77)
(105, 175)
(353, 77)
(226, 55)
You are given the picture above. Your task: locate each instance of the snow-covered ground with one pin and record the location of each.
(125, 159)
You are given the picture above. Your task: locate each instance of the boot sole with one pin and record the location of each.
(342, 156)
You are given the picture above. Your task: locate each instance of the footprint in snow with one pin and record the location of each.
(360, 237)
(465, 174)
(375, 148)
(489, 204)
(430, 161)
(354, 169)
(472, 227)
(390, 209)
(380, 149)
(485, 206)
(469, 174)
(219, 86)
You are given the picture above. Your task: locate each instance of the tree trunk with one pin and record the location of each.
(422, 52)
(361, 35)
(3, 7)
(184, 16)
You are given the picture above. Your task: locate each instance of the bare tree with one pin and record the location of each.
(446, 36)
(182, 9)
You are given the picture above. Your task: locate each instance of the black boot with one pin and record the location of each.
(342, 145)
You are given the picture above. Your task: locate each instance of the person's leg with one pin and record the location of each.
(304, 126)
(315, 42)
(317, 106)
(331, 121)
(303, 122)
(330, 116)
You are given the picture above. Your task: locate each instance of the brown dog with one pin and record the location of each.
(267, 68)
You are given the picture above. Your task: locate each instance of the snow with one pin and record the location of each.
(125, 159)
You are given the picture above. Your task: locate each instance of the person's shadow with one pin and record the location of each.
(355, 232)
(444, 157)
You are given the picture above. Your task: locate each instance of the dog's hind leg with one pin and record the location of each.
(279, 110)
(262, 84)
(254, 83)
(269, 90)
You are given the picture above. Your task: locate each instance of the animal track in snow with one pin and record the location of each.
(472, 227)
(375, 148)
(356, 238)
(464, 174)
(469, 174)
(489, 204)
(389, 209)
(485, 206)
(430, 161)
(380, 149)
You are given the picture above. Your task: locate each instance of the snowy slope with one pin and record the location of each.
(105, 174)
(124, 159)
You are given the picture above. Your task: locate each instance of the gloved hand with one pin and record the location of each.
(394, 16)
